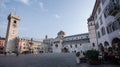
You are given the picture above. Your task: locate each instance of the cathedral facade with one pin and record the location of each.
(72, 43)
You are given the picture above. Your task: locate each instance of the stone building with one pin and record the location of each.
(73, 43)
(32, 46)
(12, 33)
(2, 45)
(106, 17)
(92, 33)
(44, 48)
(24, 46)
(57, 43)
(13, 44)
(49, 43)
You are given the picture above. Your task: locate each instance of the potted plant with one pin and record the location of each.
(77, 57)
(92, 56)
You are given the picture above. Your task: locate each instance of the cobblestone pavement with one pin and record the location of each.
(45, 60)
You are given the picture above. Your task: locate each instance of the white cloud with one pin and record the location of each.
(41, 4)
(3, 3)
(25, 2)
(57, 16)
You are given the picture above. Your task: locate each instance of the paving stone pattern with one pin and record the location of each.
(45, 60)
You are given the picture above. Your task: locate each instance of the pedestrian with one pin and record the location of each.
(105, 57)
(5, 53)
(82, 55)
(17, 54)
(78, 57)
(100, 57)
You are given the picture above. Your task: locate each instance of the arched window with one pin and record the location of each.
(103, 31)
(98, 34)
(56, 45)
(93, 44)
(101, 48)
(80, 44)
(76, 45)
(91, 24)
(106, 43)
(96, 25)
(116, 43)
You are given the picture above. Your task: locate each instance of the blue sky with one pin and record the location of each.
(47, 17)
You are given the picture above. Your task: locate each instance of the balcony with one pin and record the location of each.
(112, 8)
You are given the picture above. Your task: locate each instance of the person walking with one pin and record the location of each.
(78, 57)
(5, 53)
(17, 54)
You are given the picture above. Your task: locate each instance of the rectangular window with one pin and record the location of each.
(103, 31)
(111, 28)
(108, 29)
(103, 1)
(97, 25)
(101, 21)
(23, 47)
(98, 34)
(86, 36)
(115, 25)
(107, 10)
(76, 45)
(99, 9)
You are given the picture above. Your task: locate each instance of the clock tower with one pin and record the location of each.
(12, 33)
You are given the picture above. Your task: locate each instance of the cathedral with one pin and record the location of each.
(71, 44)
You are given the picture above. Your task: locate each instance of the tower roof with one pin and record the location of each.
(11, 15)
(61, 32)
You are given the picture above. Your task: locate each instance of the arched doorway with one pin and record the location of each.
(93, 44)
(101, 48)
(65, 50)
(116, 44)
(56, 45)
(106, 44)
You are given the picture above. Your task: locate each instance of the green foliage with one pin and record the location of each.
(78, 54)
(92, 55)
